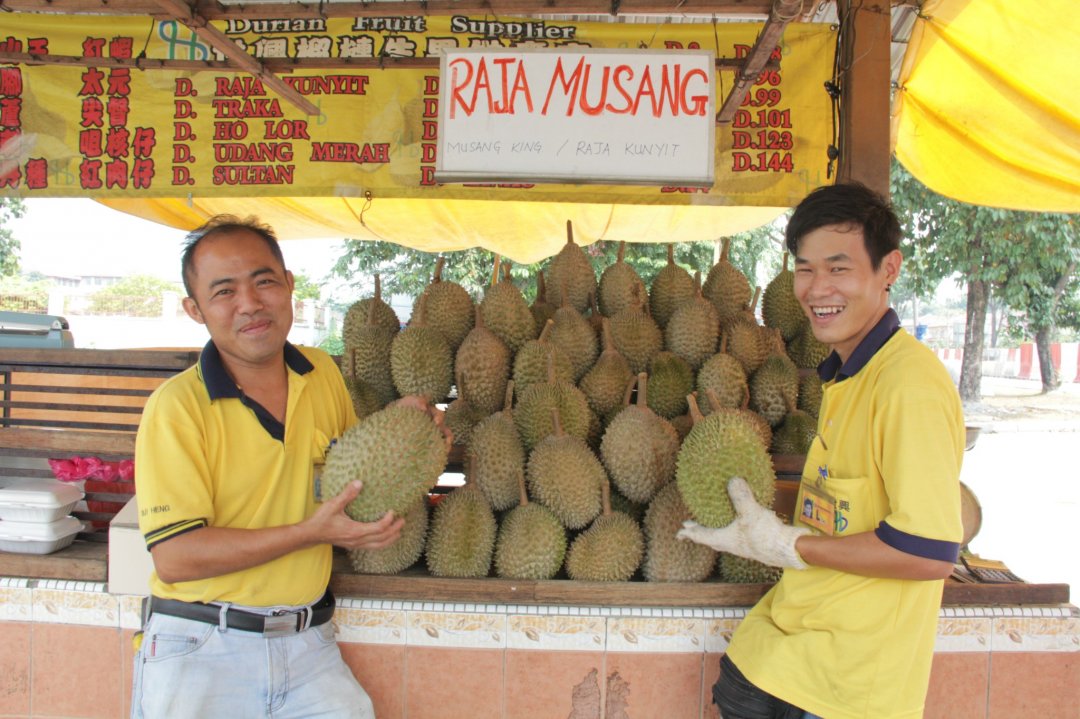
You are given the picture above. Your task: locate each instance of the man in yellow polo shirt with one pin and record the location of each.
(239, 613)
(849, 629)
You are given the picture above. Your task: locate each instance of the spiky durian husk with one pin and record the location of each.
(610, 550)
(670, 380)
(811, 392)
(461, 417)
(725, 376)
(397, 452)
(508, 315)
(571, 271)
(637, 337)
(576, 339)
(531, 543)
(795, 433)
(693, 331)
(400, 555)
(747, 343)
(667, 558)
(739, 570)
(672, 287)
(616, 289)
(728, 289)
(421, 363)
(565, 476)
(639, 450)
(779, 307)
(483, 366)
(462, 536)
(719, 447)
(357, 316)
(605, 383)
(449, 311)
(498, 460)
(532, 416)
(774, 387)
(806, 351)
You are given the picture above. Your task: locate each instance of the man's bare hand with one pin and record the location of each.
(332, 525)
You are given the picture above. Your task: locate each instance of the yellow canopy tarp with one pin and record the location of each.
(988, 109)
(520, 231)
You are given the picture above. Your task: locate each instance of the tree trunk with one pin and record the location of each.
(974, 336)
(994, 324)
(1047, 372)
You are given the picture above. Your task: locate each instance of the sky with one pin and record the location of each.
(79, 236)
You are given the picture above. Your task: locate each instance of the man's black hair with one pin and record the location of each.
(219, 224)
(851, 205)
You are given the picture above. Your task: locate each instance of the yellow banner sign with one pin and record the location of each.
(105, 130)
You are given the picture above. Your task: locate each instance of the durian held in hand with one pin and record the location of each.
(397, 453)
(757, 533)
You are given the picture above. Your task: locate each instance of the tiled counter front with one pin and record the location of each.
(65, 651)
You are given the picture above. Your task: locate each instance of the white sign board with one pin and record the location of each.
(640, 117)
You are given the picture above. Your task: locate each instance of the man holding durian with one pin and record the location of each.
(227, 490)
(849, 629)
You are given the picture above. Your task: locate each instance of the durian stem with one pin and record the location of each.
(605, 332)
(545, 334)
(569, 232)
(605, 496)
(378, 287)
(620, 257)
(551, 378)
(541, 287)
(642, 384)
(753, 303)
(695, 412)
(437, 276)
(352, 363)
(725, 246)
(697, 282)
(496, 269)
(784, 269)
(556, 422)
(671, 253)
(629, 391)
(523, 494)
(508, 398)
(714, 400)
(506, 271)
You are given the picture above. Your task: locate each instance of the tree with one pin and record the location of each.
(135, 296)
(304, 288)
(11, 208)
(24, 293)
(1024, 259)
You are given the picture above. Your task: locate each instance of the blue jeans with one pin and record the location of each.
(189, 669)
(738, 698)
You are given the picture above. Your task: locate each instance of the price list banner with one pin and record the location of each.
(103, 130)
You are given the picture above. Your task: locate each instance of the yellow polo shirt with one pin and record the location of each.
(891, 442)
(206, 455)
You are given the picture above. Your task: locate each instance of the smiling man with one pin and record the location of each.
(849, 629)
(239, 621)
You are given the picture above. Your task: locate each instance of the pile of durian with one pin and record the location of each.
(592, 422)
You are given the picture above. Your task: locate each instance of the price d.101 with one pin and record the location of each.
(762, 118)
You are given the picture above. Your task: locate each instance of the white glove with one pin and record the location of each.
(757, 533)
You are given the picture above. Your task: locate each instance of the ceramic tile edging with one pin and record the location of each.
(547, 627)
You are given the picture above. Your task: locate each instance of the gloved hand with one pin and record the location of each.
(757, 533)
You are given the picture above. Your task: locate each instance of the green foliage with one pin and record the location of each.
(333, 345)
(24, 294)
(304, 288)
(135, 296)
(11, 208)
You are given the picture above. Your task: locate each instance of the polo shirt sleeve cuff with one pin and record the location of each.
(918, 546)
(160, 535)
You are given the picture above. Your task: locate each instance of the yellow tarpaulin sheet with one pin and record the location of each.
(520, 231)
(988, 110)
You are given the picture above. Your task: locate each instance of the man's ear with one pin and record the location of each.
(291, 279)
(191, 307)
(891, 262)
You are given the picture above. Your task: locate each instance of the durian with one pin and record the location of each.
(610, 550)
(398, 453)
(774, 387)
(531, 361)
(565, 476)
(605, 382)
(575, 338)
(497, 456)
(779, 307)
(719, 447)
(506, 313)
(617, 283)
(693, 331)
(571, 270)
(535, 404)
(421, 362)
(400, 555)
(461, 540)
(671, 287)
(725, 375)
(531, 543)
(482, 365)
(670, 380)
(636, 335)
(726, 287)
(667, 558)
(449, 307)
(639, 449)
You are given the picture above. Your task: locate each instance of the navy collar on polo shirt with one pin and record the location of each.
(218, 382)
(874, 340)
(219, 385)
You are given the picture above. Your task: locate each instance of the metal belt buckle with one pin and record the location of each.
(279, 625)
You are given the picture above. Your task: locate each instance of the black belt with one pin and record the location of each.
(274, 625)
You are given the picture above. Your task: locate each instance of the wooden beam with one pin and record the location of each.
(783, 12)
(213, 10)
(866, 71)
(275, 65)
(221, 42)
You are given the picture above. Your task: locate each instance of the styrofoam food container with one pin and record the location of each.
(38, 537)
(37, 501)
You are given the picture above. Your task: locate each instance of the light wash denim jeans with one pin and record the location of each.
(188, 669)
